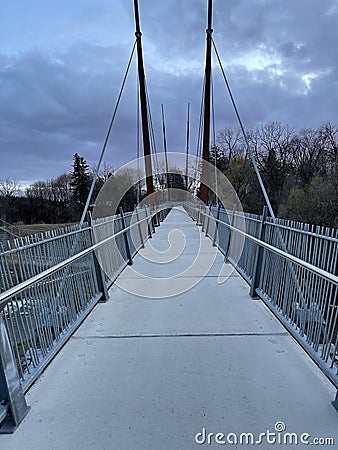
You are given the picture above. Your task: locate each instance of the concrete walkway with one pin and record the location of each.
(152, 372)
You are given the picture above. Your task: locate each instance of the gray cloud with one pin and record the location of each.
(58, 86)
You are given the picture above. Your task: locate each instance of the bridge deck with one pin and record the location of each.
(146, 373)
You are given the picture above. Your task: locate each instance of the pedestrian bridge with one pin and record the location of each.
(179, 356)
(217, 328)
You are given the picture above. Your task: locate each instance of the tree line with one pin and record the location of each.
(299, 170)
(59, 200)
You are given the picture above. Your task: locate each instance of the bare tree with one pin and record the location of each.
(61, 188)
(230, 142)
(308, 154)
(329, 137)
(9, 188)
(276, 137)
(106, 171)
(39, 189)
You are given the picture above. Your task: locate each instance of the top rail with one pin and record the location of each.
(312, 268)
(7, 295)
(302, 294)
(9, 228)
(46, 241)
(41, 311)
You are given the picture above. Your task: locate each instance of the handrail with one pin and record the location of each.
(289, 228)
(9, 228)
(314, 269)
(38, 323)
(45, 241)
(313, 324)
(7, 295)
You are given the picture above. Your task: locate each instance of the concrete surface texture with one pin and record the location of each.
(178, 372)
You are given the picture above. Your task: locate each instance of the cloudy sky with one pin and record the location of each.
(62, 62)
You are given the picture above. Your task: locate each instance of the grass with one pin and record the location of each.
(27, 230)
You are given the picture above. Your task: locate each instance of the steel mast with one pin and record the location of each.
(206, 123)
(165, 152)
(187, 149)
(143, 101)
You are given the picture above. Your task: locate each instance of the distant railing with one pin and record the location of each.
(292, 267)
(8, 232)
(9, 228)
(48, 287)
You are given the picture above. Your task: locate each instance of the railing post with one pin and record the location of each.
(335, 402)
(203, 216)
(216, 225)
(161, 216)
(148, 223)
(153, 220)
(231, 223)
(100, 276)
(139, 228)
(208, 221)
(156, 221)
(259, 255)
(13, 406)
(199, 214)
(125, 237)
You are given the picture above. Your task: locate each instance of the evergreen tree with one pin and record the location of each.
(80, 180)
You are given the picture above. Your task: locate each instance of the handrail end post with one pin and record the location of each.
(11, 393)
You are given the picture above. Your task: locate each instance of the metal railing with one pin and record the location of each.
(9, 228)
(8, 232)
(292, 267)
(47, 289)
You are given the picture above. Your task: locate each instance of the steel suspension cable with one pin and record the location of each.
(96, 173)
(300, 286)
(152, 136)
(199, 135)
(252, 157)
(214, 137)
(199, 140)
